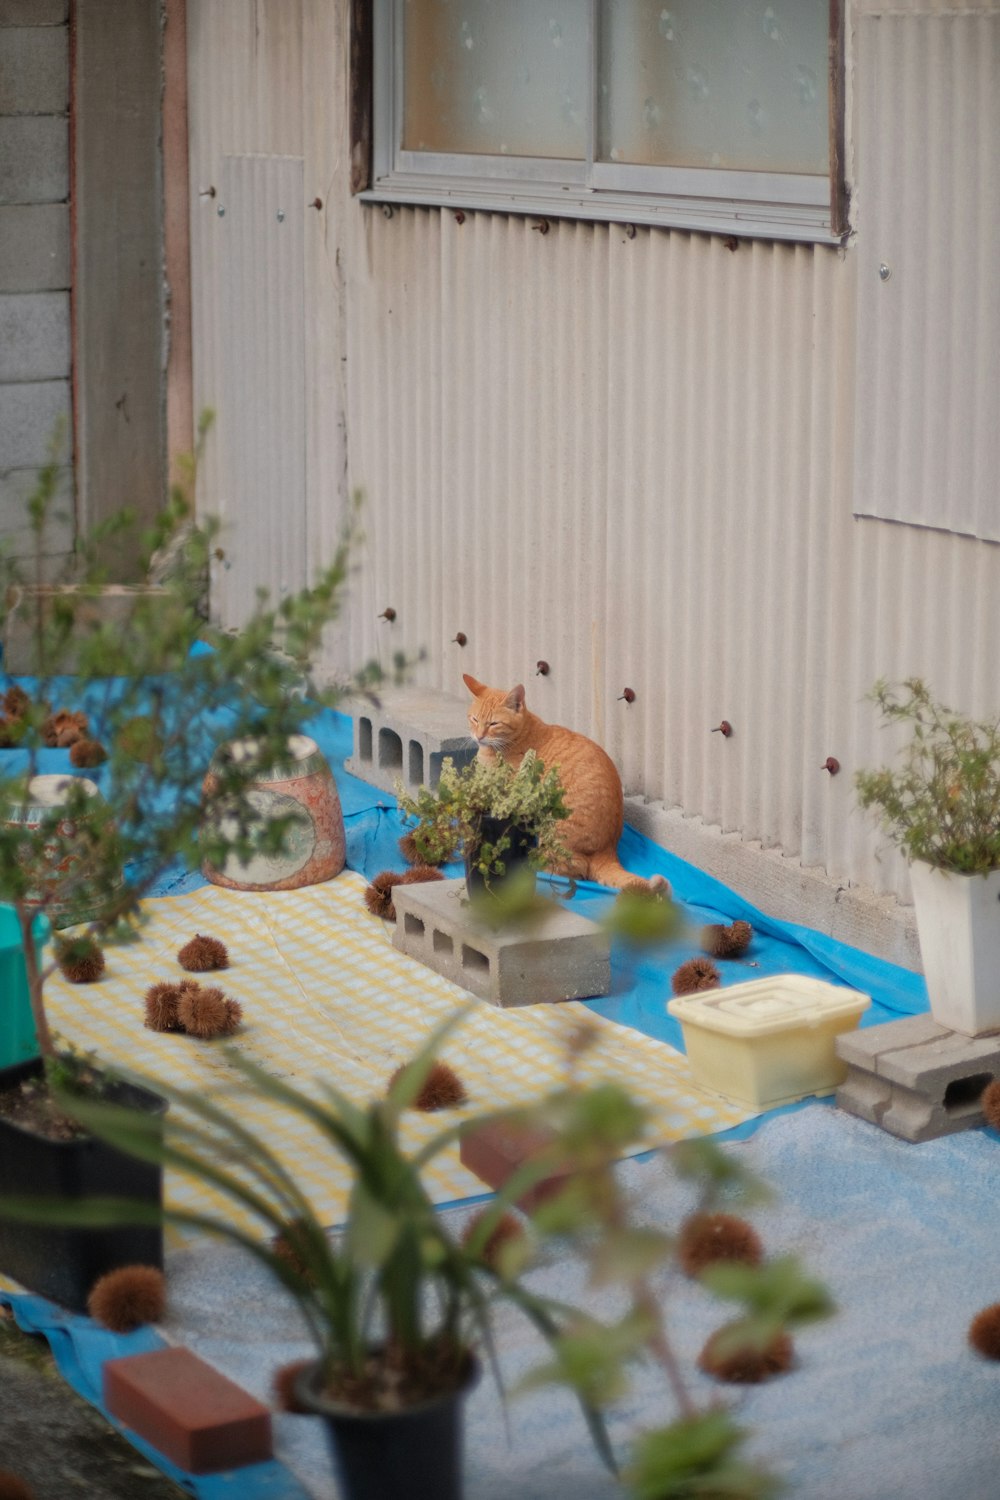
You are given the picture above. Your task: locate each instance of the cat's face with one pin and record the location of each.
(495, 716)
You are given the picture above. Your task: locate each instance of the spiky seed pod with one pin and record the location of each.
(161, 1007)
(284, 1247)
(984, 1332)
(86, 754)
(990, 1102)
(697, 974)
(283, 1384)
(7, 738)
(207, 1013)
(506, 1229)
(127, 1298)
(80, 960)
(16, 702)
(442, 1088)
(420, 874)
(706, 1238)
(726, 942)
(413, 856)
(63, 729)
(202, 954)
(14, 1488)
(747, 1366)
(378, 896)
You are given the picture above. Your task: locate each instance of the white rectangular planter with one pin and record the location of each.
(958, 923)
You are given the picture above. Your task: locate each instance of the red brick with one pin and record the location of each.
(189, 1412)
(493, 1152)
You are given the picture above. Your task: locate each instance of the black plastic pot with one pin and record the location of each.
(517, 860)
(63, 1264)
(412, 1454)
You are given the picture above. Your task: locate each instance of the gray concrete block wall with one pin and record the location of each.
(35, 266)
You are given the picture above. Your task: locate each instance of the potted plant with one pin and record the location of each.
(940, 804)
(73, 846)
(399, 1311)
(500, 820)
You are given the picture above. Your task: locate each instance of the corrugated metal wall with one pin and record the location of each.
(630, 457)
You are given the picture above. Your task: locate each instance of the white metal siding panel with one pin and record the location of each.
(632, 458)
(928, 445)
(262, 501)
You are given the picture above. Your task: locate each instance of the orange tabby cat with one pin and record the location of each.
(503, 726)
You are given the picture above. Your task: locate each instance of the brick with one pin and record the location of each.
(33, 415)
(187, 1410)
(34, 247)
(406, 736)
(34, 70)
(34, 159)
(494, 1152)
(34, 335)
(557, 956)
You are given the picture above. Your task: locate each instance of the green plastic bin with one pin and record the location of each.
(18, 1041)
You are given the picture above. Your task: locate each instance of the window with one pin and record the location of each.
(705, 114)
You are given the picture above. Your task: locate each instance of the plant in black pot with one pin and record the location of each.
(501, 821)
(81, 850)
(399, 1307)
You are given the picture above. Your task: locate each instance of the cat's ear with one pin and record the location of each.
(477, 689)
(515, 698)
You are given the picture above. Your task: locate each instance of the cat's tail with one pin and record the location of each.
(606, 869)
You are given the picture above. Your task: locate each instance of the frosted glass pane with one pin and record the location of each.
(715, 83)
(496, 77)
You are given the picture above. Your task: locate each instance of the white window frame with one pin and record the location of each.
(775, 205)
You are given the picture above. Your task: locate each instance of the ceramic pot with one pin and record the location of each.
(516, 859)
(63, 1264)
(302, 789)
(58, 876)
(411, 1454)
(958, 924)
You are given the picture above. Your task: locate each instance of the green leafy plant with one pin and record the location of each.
(941, 802)
(394, 1304)
(450, 819)
(157, 694)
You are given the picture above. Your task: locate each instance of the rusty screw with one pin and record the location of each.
(725, 729)
(460, 217)
(316, 203)
(541, 669)
(460, 639)
(628, 695)
(542, 226)
(388, 614)
(831, 764)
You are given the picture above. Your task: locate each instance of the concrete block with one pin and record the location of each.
(34, 247)
(495, 1151)
(33, 12)
(406, 736)
(915, 1078)
(34, 159)
(35, 341)
(35, 423)
(187, 1410)
(560, 956)
(34, 70)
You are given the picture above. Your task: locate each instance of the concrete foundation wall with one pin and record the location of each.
(35, 265)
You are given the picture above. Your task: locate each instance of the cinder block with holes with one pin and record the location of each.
(406, 736)
(558, 956)
(915, 1078)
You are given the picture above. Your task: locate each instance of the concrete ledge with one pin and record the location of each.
(782, 887)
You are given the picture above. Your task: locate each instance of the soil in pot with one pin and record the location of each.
(63, 1264)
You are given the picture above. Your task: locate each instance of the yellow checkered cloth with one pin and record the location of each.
(325, 995)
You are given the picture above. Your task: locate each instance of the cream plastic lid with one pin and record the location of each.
(764, 1006)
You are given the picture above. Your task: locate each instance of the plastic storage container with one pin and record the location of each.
(770, 1041)
(18, 1042)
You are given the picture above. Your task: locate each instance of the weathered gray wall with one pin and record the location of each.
(35, 263)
